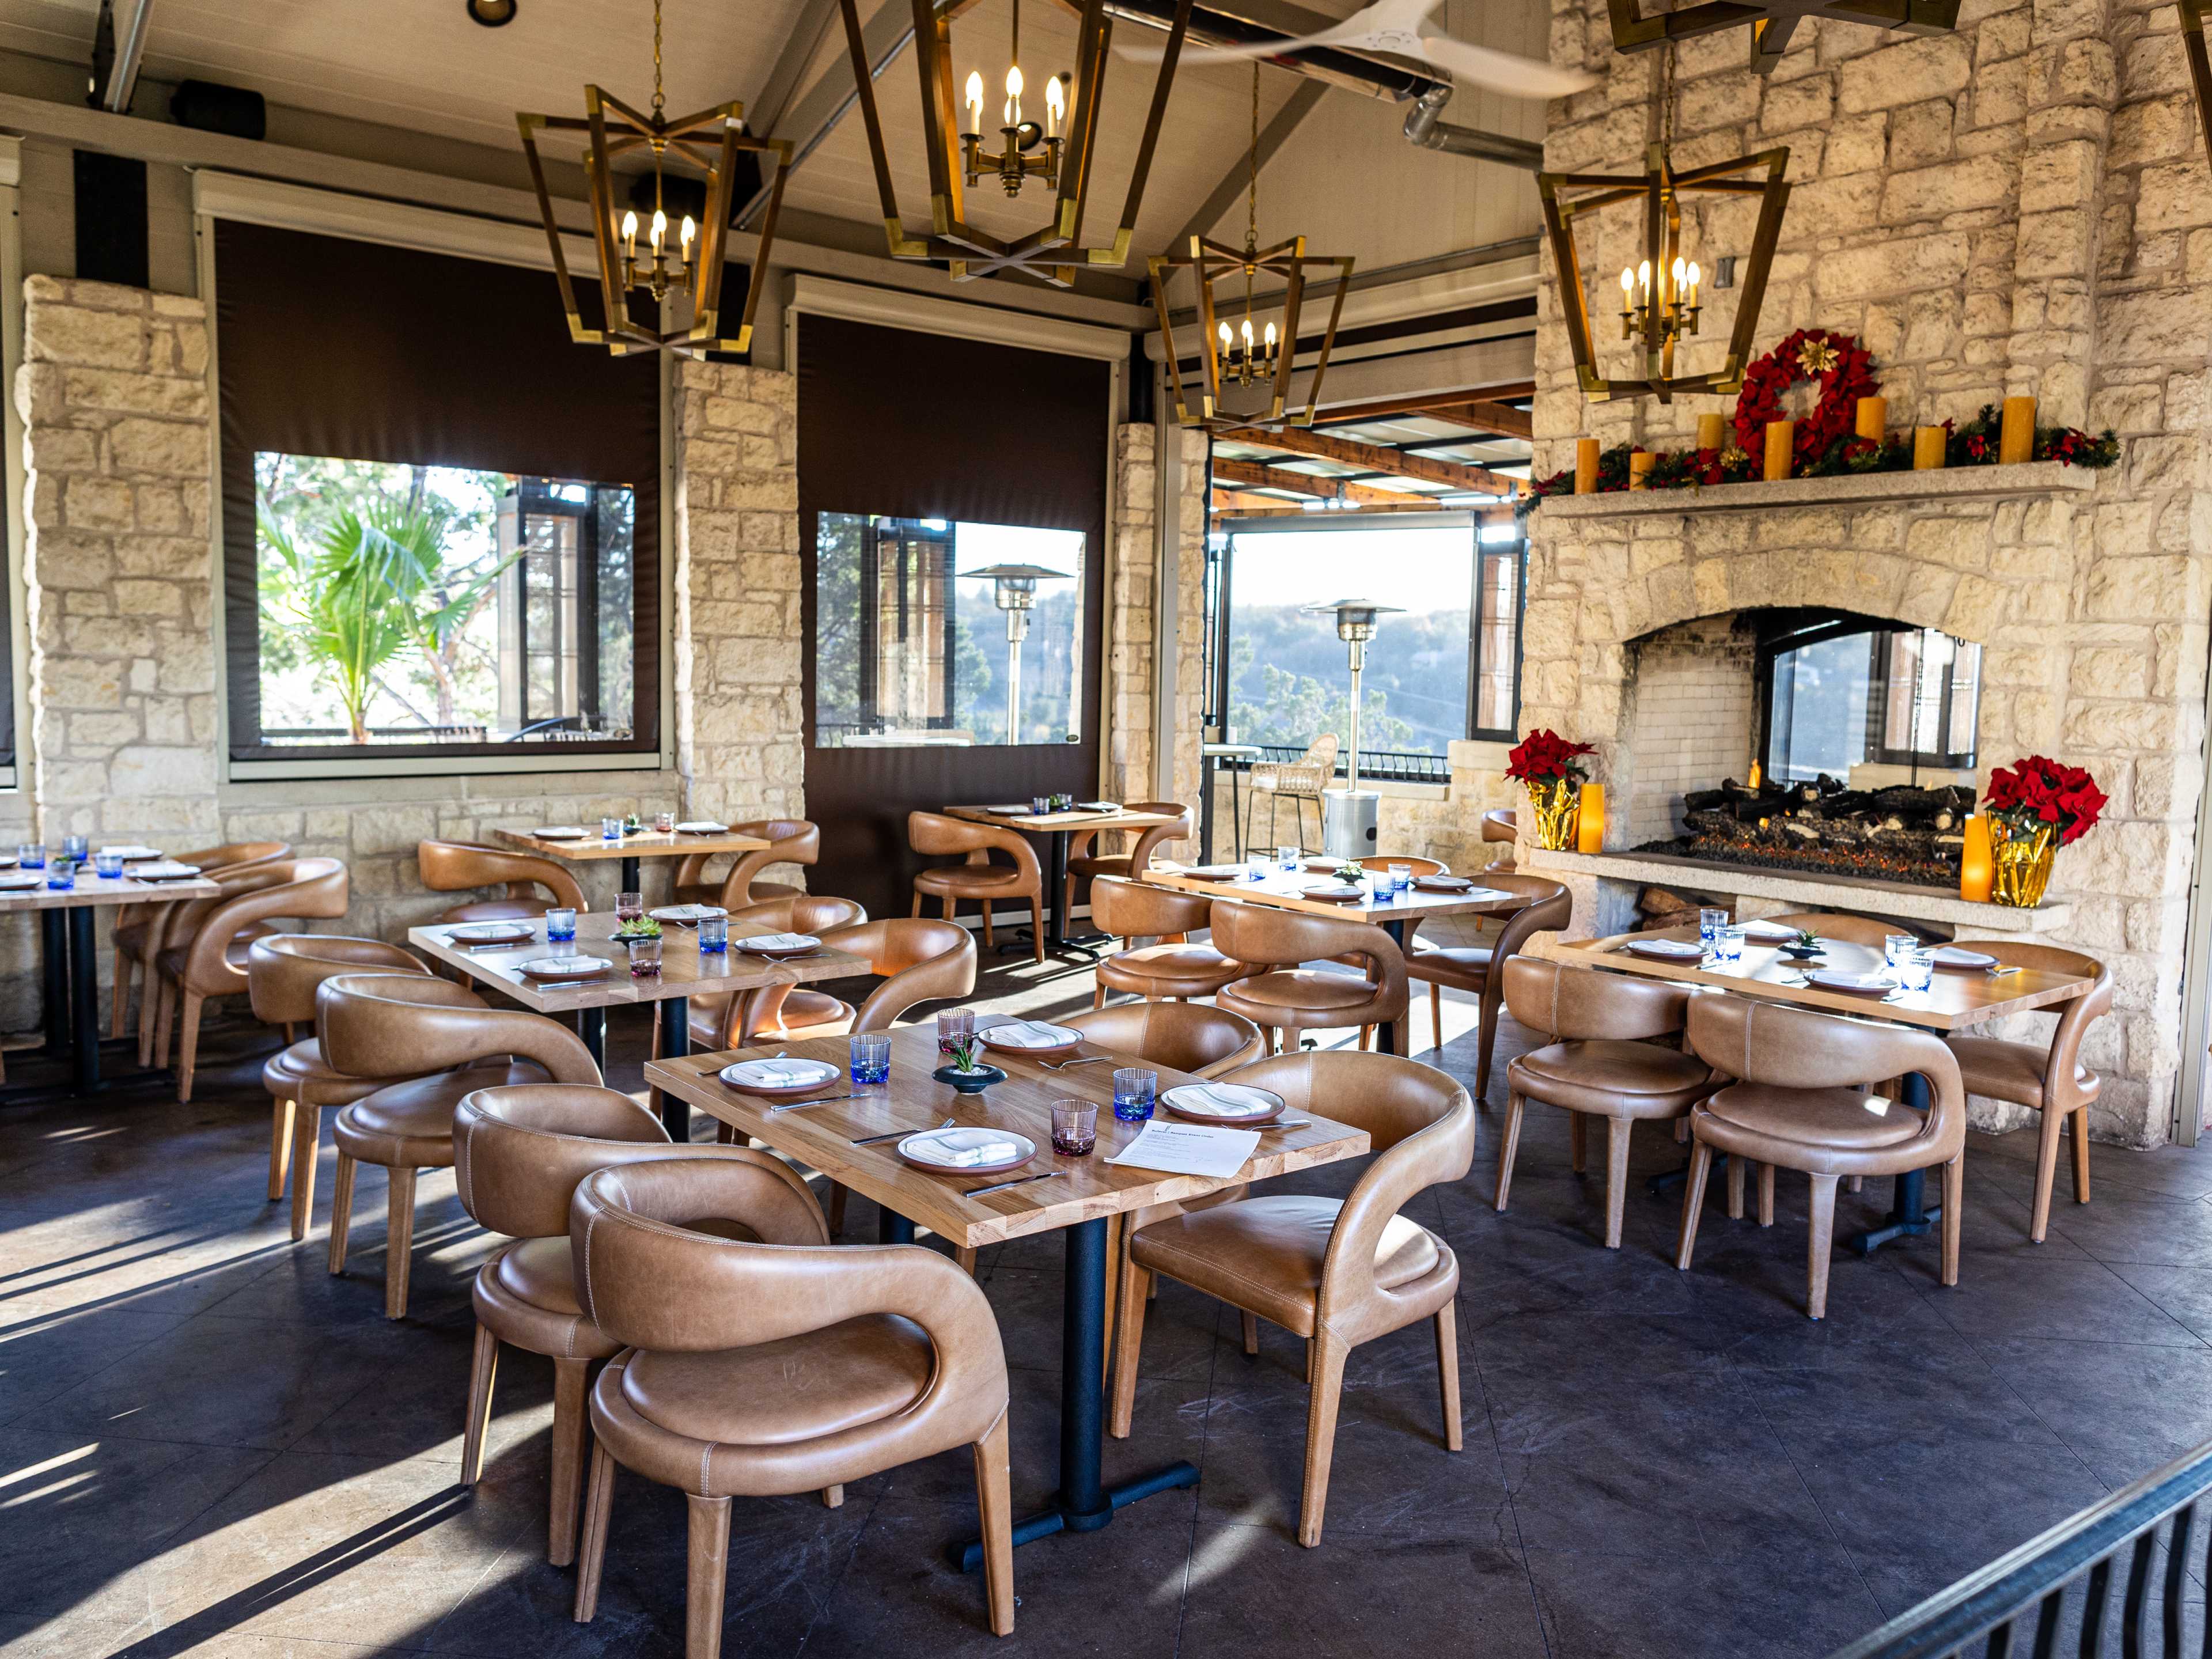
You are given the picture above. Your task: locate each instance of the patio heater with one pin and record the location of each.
(1015, 593)
(1348, 815)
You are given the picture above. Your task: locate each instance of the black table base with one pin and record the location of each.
(675, 1043)
(1908, 1214)
(1056, 936)
(70, 948)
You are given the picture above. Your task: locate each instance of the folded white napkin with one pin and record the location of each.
(1768, 931)
(1667, 947)
(962, 1148)
(784, 1074)
(1959, 957)
(1222, 1100)
(778, 942)
(1030, 1033)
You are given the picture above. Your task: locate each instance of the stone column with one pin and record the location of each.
(1133, 539)
(1191, 688)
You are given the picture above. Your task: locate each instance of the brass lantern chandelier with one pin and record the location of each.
(1772, 23)
(1232, 354)
(1056, 153)
(669, 254)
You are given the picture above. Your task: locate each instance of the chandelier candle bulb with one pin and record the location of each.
(1976, 868)
(1589, 831)
(1780, 434)
(1927, 448)
(1586, 451)
(1712, 431)
(2016, 437)
(1871, 418)
(1639, 469)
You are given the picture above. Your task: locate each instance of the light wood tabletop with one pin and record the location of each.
(1282, 889)
(646, 844)
(823, 1137)
(1047, 824)
(102, 890)
(684, 971)
(1955, 998)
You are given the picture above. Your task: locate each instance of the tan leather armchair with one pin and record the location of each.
(518, 1153)
(429, 1042)
(141, 930)
(2052, 1080)
(1280, 996)
(456, 866)
(1799, 1104)
(792, 841)
(1338, 1275)
(712, 1013)
(756, 1370)
(1837, 925)
(1089, 865)
(1599, 1063)
(933, 833)
(1477, 968)
(1174, 967)
(283, 972)
(209, 959)
(920, 960)
(1192, 1037)
(1502, 825)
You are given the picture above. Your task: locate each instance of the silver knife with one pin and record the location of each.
(1018, 1181)
(793, 1105)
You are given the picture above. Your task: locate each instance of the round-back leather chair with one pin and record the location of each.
(791, 841)
(1501, 824)
(761, 1368)
(1337, 1275)
(1599, 1063)
(1192, 1037)
(455, 866)
(920, 960)
(986, 883)
(141, 930)
(210, 960)
(1280, 996)
(1172, 969)
(1840, 925)
(1475, 967)
(283, 972)
(2052, 1080)
(1799, 1103)
(427, 1041)
(713, 1013)
(1090, 866)
(519, 1152)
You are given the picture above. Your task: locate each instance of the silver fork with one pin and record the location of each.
(1062, 1065)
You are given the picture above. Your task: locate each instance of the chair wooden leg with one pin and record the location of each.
(1616, 1178)
(1485, 1042)
(1820, 1242)
(2077, 1129)
(1136, 1293)
(1447, 1373)
(1251, 1325)
(1366, 1039)
(188, 1045)
(2046, 1175)
(987, 941)
(1693, 1202)
(483, 1368)
(1577, 1142)
(916, 911)
(280, 1147)
(949, 903)
(1437, 1016)
(1098, 997)
(1327, 1394)
(966, 1261)
(118, 1020)
(1736, 1188)
(1036, 925)
(398, 1242)
(1509, 1142)
(836, 1216)
(705, 1575)
(572, 1434)
(1767, 1194)
(994, 1498)
(341, 1208)
(833, 1498)
(1954, 1214)
(306, 1153)
(593, 1553)
(154, 1033)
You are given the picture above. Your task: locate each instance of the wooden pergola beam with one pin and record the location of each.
(1254, 475)
(1228, 503)
(1483, 415)
(1371, 457)
(1421, 403)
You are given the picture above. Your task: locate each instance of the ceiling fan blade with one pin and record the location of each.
(1151, 54)
(1502, 71)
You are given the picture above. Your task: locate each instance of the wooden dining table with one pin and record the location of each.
(1054, 829)
(1954, 1000)
(685, 972)
(1396, 913)
(630, 849)
(1083, 1196)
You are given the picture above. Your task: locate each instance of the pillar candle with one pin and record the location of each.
(1590, 832)
(2016, 437)
(1639, 469)
(1977, 871)
(1712, 431)
(1872, 417)
(1585, 465)
(1927, 448)
(1779, 436)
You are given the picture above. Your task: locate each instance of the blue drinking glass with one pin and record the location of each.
(76, 848)
(62, 877)
(559, 926)
(714, 936)
(1135, 1088)
(108, 864)
(871, 1053)
(32, 854)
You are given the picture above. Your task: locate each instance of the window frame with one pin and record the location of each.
(14, 609)
(1881, 635)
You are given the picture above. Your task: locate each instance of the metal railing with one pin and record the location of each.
(1387, 765)
(2055, 1594)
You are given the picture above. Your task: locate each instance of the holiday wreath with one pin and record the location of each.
(1845, 370)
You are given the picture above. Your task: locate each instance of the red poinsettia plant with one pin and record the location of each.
(1545, 757)
(2039, 791)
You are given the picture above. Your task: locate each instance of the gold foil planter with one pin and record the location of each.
(1559, 808)
(2023, 862)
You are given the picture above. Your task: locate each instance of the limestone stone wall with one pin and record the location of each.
(1133, 544)
(2020, 207)
(1191, 688)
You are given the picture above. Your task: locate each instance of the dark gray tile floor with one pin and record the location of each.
(208, 1445)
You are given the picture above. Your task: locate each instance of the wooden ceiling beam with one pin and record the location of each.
(1373, 458)
(1483, 415)
(1253, 475)
(1227, 503)
(1420, 402)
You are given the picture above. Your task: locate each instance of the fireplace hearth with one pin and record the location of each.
(1901, 833)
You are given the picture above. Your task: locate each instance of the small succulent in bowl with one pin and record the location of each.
(967, 1053)
(1804, 944)
(640, 927)
(1351, 873)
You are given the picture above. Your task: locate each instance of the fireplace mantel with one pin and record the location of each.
(1961, 483)
(1929, 904)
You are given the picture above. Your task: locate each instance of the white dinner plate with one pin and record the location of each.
(492, 933)
(21, 882)
(1669, 950)
(966, 1151)
(1336, 892)
(686, 912)
(1029, 1036)
(775, 1077)
(1857, 985)
(560, 832)
(1223, 1103)
(1019, 809)
(1959, 960)
(7, 861)
(132, 853)
(555, 970)
(778, 944)
(1767, 933)
(701, 827)
(164, 871)
(1442, 884)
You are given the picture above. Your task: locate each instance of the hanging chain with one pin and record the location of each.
(1014, 42)
(1252, 188)
(657, 99)
(1666, 95)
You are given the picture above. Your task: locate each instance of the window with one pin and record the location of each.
(1449, 667)
(1844, 695)
(932, 633)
